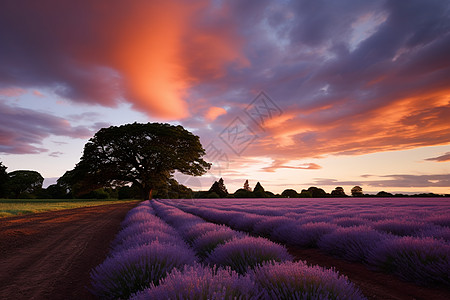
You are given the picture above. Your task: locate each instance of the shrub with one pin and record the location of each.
(400, 227)
(207, 242)
(422, 260)
(305, 235)
(146, 238)
(153, 225)
(190, 233)
(266, 226)
(296, 280)
(351, 243)
(198, 282)
(132, 270)
(247, 252)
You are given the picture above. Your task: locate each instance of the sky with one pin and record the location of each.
(289, 93)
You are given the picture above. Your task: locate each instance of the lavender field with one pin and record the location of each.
(236, 248)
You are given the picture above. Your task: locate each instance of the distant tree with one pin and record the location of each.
(289, 193)
(242, 193)
(259, 191)
(56, 191)
(219, 188)
(145, 155)
(247, 186)
(305, 194)
(384, 194)
(357, 191)
(317, 192)
(23, 183)
(3, 180)
(338, 192)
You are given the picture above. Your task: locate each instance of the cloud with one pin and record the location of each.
(145, 52)
(441, 158)
(351, 77)
(280, 164)
(214, 112)
(22, 130)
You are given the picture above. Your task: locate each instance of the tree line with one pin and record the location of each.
(138, 161)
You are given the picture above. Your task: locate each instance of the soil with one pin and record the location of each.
(49, 255)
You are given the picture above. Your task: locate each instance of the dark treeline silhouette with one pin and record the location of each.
(27, 184)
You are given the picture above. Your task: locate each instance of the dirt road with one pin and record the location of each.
(49, 255)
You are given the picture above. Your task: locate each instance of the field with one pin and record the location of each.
(255, 249)
(15, 207)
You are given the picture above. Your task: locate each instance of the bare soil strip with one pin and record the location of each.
(49, 255)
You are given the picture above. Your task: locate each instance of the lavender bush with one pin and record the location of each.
(421, 260)
(198, 282)
(248, 252)
(207, 242)
(146, 238)
(351, 243)
(130, 271)
(305, 235)
(296, 280)
(400, 227)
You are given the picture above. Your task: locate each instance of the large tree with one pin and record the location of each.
(146, 155)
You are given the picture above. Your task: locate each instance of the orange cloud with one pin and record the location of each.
(215, 112)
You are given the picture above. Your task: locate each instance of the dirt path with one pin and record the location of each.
(49, 255)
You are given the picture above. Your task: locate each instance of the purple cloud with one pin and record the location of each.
(441, 158)
(22, 130)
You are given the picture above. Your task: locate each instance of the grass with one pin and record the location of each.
(15, 207)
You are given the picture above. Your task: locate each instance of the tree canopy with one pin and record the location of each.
(219, 188)
(24, 182)
(145, 155)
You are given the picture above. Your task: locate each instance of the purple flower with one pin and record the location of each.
(130, 271)
(296, 280)
(305, 235)
(266, 226)
(400, 227)
(248, 252)
(422, 260)
(199, 282)
(351, 243)
(208, 241)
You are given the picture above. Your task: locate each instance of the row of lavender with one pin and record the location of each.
(165, 253)
(416, 249)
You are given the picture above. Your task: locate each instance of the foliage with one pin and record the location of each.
(357, 191)
(338, 192)
(317, 192)
(146, 155)
(247, 186)
(247, 252)
(296, 280)
(24, 183)
(219, 188)
(289, 193)
(3, 180)
(199, 282)
(243, 193)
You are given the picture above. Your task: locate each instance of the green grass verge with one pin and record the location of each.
(15, 207)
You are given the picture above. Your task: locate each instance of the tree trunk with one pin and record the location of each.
(147, 193)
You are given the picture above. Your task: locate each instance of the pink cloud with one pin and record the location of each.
(214, 112)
